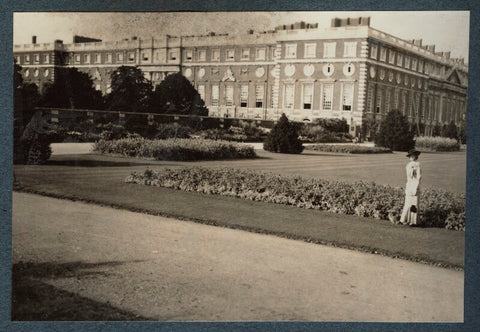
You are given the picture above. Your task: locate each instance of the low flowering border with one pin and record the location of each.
(438, 208)
(347, 148)
(175, 149)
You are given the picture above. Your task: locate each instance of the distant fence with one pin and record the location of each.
(62, 115)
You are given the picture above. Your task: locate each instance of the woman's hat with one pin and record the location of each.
(413, 152)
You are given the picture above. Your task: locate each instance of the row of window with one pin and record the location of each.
(329, 50)
(35, 59)
(307, 95)
(399, 59)
(36, 72)
(229, 54)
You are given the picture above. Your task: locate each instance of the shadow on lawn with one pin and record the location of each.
(34, 300)
(94, 163)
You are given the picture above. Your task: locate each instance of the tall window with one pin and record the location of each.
(230, 54)
(391, 57)
(244, 95)
(260, 54)
(46, 58)
(36, 58)
(289, 97)
(329, 50)
(291, 50)
(201, 91)
(399, 59)
(97, 58)
(327, 97)
(229, 95)
(119, 56)
(131, 56)
(407, 61)
(378, 105)
(215, 94)
(172, 55)
(245, 54)
(383, 54)
(350, 49)
(404, 102)
(395, 99)
(188, 55)
(27, 58)
(373, 51)
(307, 96)
(216, 55)
(420, 66)
(310, 50)
(347, 98)
(202, 55)
(86, 58)
(259, 93)
(414, 64)
(108, 58)
(387, 100)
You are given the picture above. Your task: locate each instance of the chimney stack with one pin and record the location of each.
(34, 39)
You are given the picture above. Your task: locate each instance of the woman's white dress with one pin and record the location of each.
(412, 192)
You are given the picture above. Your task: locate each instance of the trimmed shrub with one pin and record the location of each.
(283, 137)
(395, 133)
(347, 148)
(175, 149)
(438, 208)
(429, 143)
(172, 130)
(36, 139)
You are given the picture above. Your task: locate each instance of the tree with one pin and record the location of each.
(72, 89)
(25, 99)
(131, 91)
(450, 130)
(462, 132)
(175, 94)
(395, 132)
(283, 137)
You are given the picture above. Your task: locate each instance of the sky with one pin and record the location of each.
(448, 30)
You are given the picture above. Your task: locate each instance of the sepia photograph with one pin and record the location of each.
(261, 166)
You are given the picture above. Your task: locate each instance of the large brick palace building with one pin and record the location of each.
(349, 70)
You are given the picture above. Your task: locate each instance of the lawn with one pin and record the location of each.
(100, 179)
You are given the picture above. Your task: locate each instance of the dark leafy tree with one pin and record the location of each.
(283, 137)
(395, 132)
(25, 99)
(175, 94)
(437, 130)
(450, 130)
(462, 132)
(131, 91)
(72, 89)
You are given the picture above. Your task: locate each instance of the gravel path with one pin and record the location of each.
(165, 269)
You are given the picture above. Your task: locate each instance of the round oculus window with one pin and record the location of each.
(373, 72)
(289, 70)
(35, 73)
(188, 72)
(399, 78)
(260, 71)
(382, 74)
(328, 69)
(349, 69)
(201, 72)
(308, 70)
(390, 76)
(45, 73)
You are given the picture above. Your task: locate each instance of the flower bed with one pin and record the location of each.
(438, 208)
(175, 149)
(347, 148)
(429, 143)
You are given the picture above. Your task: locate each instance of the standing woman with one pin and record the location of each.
(412, 190)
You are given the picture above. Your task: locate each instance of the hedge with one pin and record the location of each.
(438, 208)
(436, 143)
(347, 148)
(175, 149)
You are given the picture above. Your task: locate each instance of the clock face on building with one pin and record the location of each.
(260, 72)
(187, 72)
(373, 72)
(328, 69)
(308, 70)
(349, 69)
(201, 72)
(289, 70)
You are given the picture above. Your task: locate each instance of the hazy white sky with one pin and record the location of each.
(448, 30)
